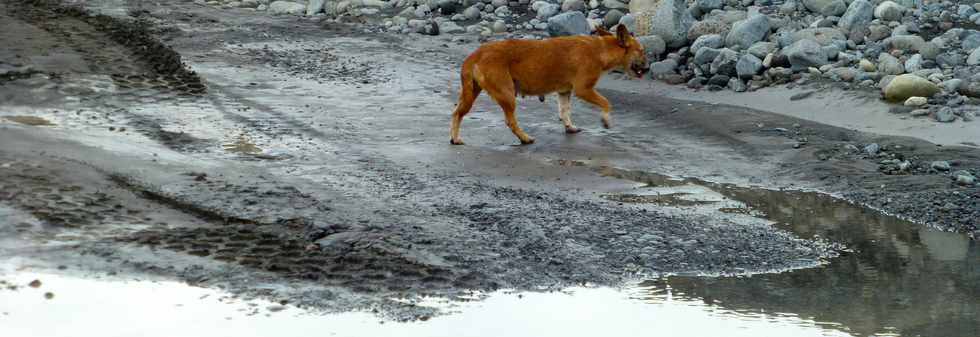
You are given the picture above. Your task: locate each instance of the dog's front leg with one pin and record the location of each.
(565, 112)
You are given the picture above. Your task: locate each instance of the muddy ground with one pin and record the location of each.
(307, 161)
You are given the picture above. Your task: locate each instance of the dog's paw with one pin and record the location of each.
(605, 123)
(528, 141)
(455, 142)
(572, 130)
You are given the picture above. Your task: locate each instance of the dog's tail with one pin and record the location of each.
(468, 90)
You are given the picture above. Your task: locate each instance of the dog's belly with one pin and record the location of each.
(538, 88)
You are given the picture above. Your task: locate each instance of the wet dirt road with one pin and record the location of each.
(307, 162)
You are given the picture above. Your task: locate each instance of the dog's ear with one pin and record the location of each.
(623, 35)
(601, 31)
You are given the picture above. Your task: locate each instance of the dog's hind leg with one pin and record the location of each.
(468, 92)
(565, 111)
(500, 86)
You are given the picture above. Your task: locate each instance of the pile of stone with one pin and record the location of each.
(913, 52)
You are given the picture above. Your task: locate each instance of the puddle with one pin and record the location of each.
(29, 120)
(897, 279)
(125, 308)
(242, 145)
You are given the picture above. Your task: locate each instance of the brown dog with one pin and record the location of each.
(566, 65)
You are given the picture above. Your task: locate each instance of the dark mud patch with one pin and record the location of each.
(29, 120)
(160, 197)
(320, 65)
(667, 199)
(60, 204)
(155, 57)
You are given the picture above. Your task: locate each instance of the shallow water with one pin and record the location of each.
(896, 277)
(115, 308)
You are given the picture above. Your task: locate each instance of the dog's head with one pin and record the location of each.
(634, 62)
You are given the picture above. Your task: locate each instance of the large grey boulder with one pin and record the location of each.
(748, 65)
(826, 7)
(287, 7)
(761, 49)
(857, 17)
(710, 41)
(970, 41)
(706, 55)
(974, 58)
(669, 19)
(746, 32)
(570, 23)
(803, 54)
(546, 11)
(889, 11)
(653, 45)
(707, 27)
(724, 63)
(822, 36)
(315, 6)
(612, 18)
(889, 65)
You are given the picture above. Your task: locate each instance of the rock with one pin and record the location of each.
(570, 23)
(669, 19)
(916, 101)
(472, 13)
(547, 11)
(660, 69)
(788, 8)
(974, 58)
(964, 178)
(822, 36)
(719, 80)
(449, 27)
(867, 66)
(952, 85)
(872, 149)
(499, 26)
(857, 17)
(889, 65)
(761, 49)
(905, 43)
(951, 60)
(710, 41)
(287, 7)
(842, 74)
(970, 42)
(705, 55)
(748, 65)
(904, 86)
(706, 6)
(945, 115)
(422, 11)
(889, 11)
(737, 85)
(612, 18)
(629, 21)
(614, 4)
(826, 7)
(940, 165)
(572, 5)
(653, 45)
(696, 82)
(965, 11)
(314, 7)
(706, 27)
(428, 28)
(724, 63)
(914, 63)
(805, 53)
(969, 116)
(878, 32)
(502, 12)
(746, 32)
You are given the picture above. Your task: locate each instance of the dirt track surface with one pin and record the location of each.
(308, 161)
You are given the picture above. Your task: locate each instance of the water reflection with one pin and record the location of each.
(900, 278)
